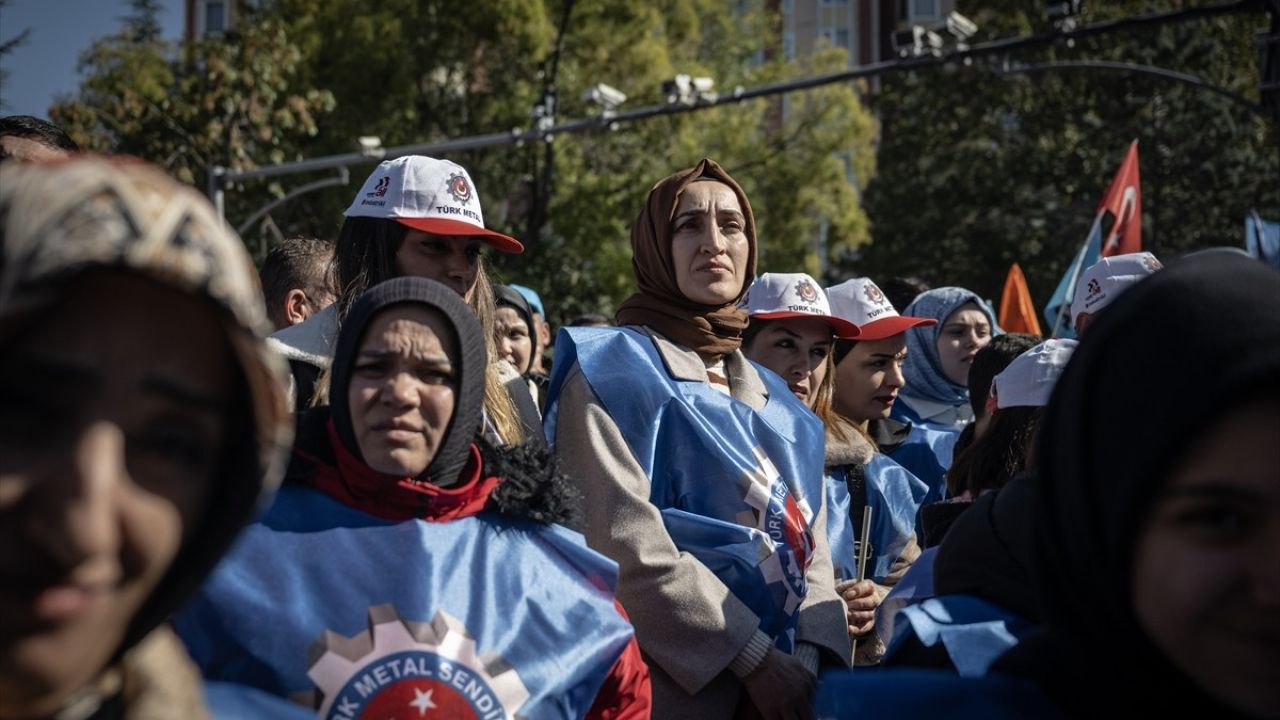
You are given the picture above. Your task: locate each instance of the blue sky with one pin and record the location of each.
(61, 30)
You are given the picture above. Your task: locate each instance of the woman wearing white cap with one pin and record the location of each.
(702, 476)
(866, 379)
(420, 217)
(791, 332)
(981, 572)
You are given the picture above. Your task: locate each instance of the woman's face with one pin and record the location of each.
(1206, 566)
(514, 344)
(112, 424)
(962, 335)
(450, 260)
(796, 349)
(709, 244)
(869, 377)
(402, 389)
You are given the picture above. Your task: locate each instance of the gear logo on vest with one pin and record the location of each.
(807, 292)
(1094, 288)
(873, 293)
(404, 670)
(782, 516)
(459, 188)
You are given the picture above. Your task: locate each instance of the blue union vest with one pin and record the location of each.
(894, 495)
(738, 488)
(482, 617)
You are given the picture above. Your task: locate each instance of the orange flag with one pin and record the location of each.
(1017, 314)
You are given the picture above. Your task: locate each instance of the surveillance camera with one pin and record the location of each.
(371, 146)
(678, 89)
(960, 26)
(606, 96)
(703, 84)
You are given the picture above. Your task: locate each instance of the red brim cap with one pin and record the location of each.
(890, 326)
(843, 329)
(443, 226)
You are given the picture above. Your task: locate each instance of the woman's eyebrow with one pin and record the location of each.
(692, 212)
(182, 393)
(1212, 490)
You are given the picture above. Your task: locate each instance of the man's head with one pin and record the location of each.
(295, 280)
(23, 137)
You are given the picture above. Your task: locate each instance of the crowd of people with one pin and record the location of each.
(365, 480)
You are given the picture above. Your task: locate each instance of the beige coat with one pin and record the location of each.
(689, 625)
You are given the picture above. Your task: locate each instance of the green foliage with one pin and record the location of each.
(234, 101)
(980, 169)
(303, 79)
(803, 168)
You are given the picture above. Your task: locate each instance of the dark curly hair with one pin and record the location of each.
(532, 487)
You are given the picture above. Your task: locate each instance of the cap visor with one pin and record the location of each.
(442, 226)
(890, 326)
(843, 329)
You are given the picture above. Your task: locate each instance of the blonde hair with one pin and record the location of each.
(497, 403)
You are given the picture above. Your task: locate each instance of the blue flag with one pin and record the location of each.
(352, 616)
(1262, 239)
(1057, 312)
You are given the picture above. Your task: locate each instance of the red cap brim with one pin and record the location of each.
(443, 226)
(843, 329)
(890, 326)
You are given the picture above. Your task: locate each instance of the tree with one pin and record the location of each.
(233, 101)
(411, 73)
(7, 47)
(302, 79)
(979, 168)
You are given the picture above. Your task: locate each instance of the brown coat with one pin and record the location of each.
(689, 625)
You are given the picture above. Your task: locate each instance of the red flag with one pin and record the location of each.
(1124, 201)
(1017, 314)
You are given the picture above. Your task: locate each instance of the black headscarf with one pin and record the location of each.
(469, 367)
(1119, 421)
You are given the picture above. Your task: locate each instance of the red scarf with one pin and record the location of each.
(392, 497)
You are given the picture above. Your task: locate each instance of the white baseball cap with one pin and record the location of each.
(775, 296)
(1028, 381)
(1103, 282)
(862, 303)
(427, 194)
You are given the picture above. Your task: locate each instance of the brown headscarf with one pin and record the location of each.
(712, 331)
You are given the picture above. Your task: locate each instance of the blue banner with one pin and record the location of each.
(483, 617)
(1057, 313)
(1262, 239)
(973, 631)
(738, 488)
(894, 496)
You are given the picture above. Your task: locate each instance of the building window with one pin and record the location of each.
(215, 18)
(924, 10)
(789, 46)
(838, 37)
(835, 2)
